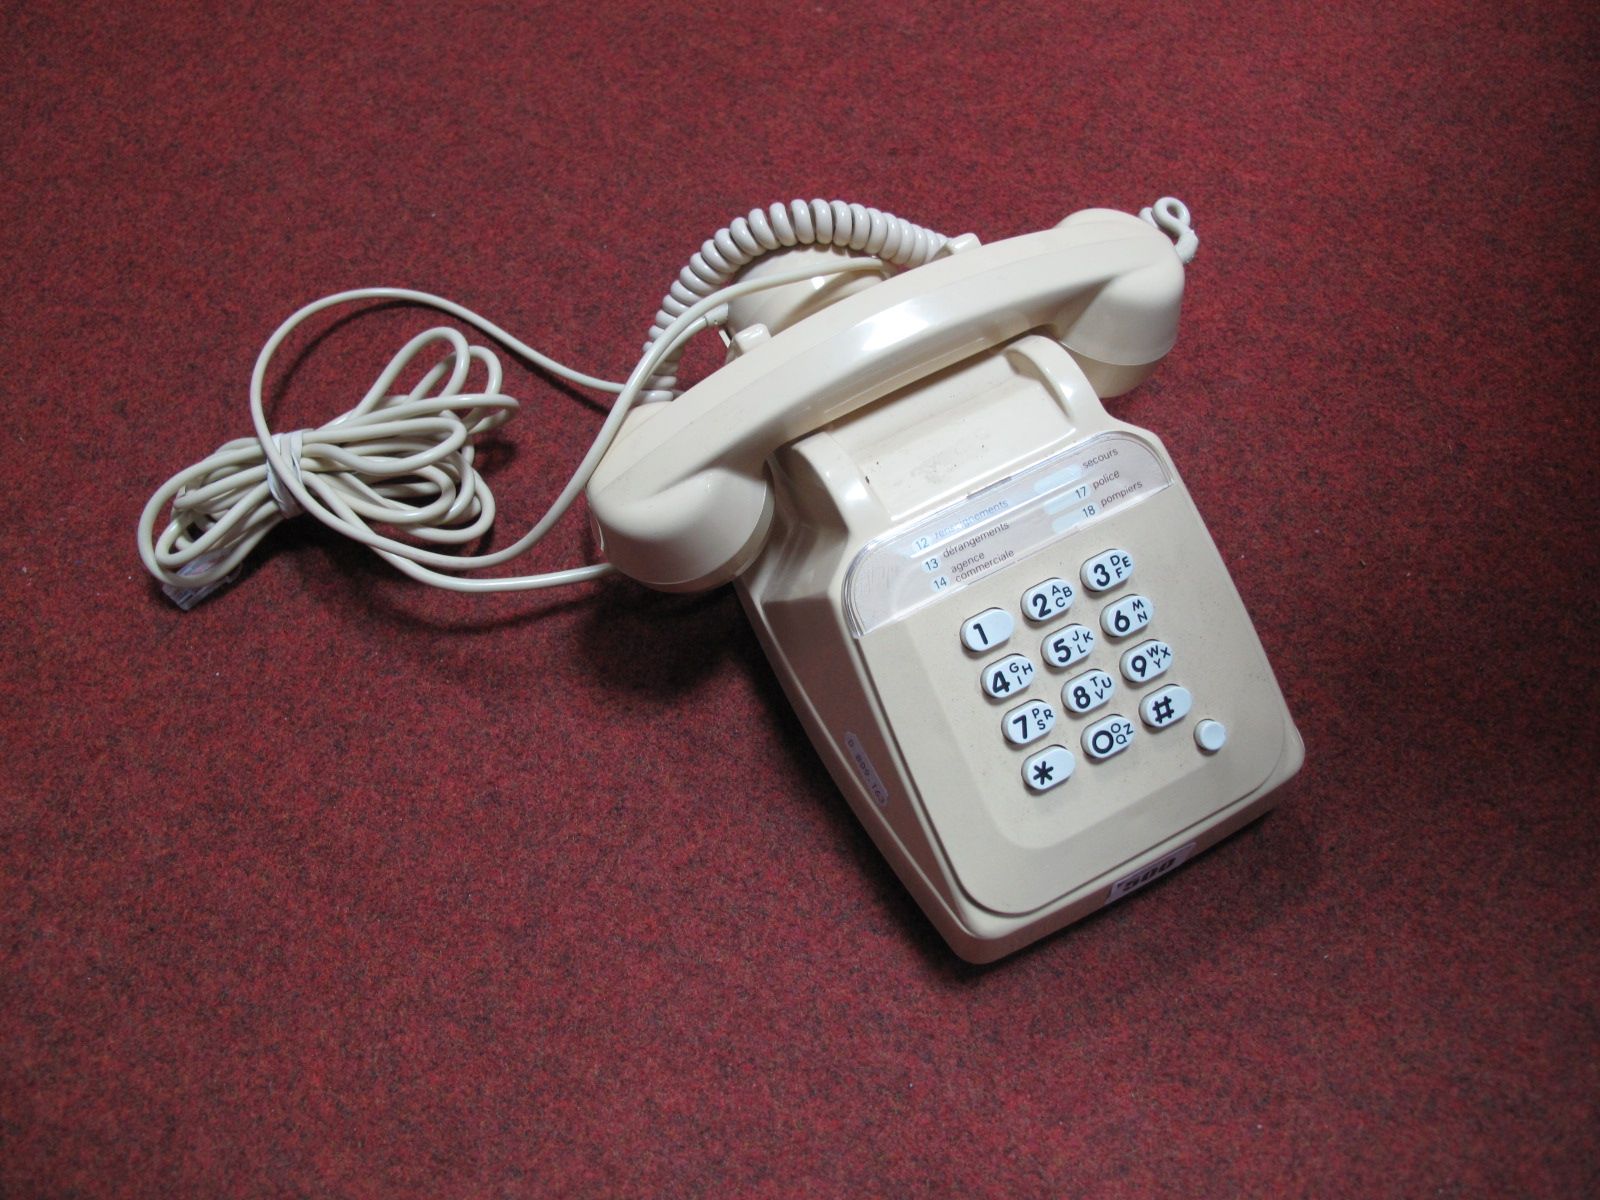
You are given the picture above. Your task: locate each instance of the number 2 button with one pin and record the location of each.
(1010, 674)
(1048, 599)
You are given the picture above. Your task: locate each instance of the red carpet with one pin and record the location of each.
(341, 886)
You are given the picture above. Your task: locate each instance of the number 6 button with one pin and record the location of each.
(1126, 616)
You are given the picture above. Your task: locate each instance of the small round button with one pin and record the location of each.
(1211, 736)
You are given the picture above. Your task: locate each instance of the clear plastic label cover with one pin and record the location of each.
(1003, 524)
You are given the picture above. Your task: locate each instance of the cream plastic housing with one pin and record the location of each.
(682, 500)
(894, 702)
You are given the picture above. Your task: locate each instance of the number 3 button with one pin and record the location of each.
(1010, 674)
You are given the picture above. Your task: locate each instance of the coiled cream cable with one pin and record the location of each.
(1171, 216)
(834, 223)
(398, 460)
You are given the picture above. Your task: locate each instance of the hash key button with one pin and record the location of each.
(987, 630)
(1165, 706)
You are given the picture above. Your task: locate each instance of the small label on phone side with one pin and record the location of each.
(1150, 872)
(865, 770)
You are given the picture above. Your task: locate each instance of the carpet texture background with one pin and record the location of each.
(342, 886)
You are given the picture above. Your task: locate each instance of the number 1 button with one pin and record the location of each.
(988, 629)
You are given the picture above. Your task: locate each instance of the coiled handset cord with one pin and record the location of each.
(736, 245)
(405, 460)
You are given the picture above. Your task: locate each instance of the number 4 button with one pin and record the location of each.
(1010, 674)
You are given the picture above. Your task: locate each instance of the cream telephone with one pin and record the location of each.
(994, 606)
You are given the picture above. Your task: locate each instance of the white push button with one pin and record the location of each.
(1066, 646)
(1048, 599)
(1106, 570)
(1029, 722)
(1087, 692)
(1010, 674)
(1211, 736)
(1108, 736)
(987, 630)
(1127, 616)
(1166, 706)
(1145, 661)
(1049, 768)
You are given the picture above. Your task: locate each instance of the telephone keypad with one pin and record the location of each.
(990, 628)
(1085, 692)
(1127, 616)
(1049, 768)
(1066, 646)
(1048, 599)
(1009, 675)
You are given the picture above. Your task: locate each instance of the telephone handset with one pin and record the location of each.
(681, 498)
(994, 607)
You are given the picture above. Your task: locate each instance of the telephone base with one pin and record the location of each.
(1010, 637)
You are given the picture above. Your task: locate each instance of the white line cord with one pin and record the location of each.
(402, 460)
